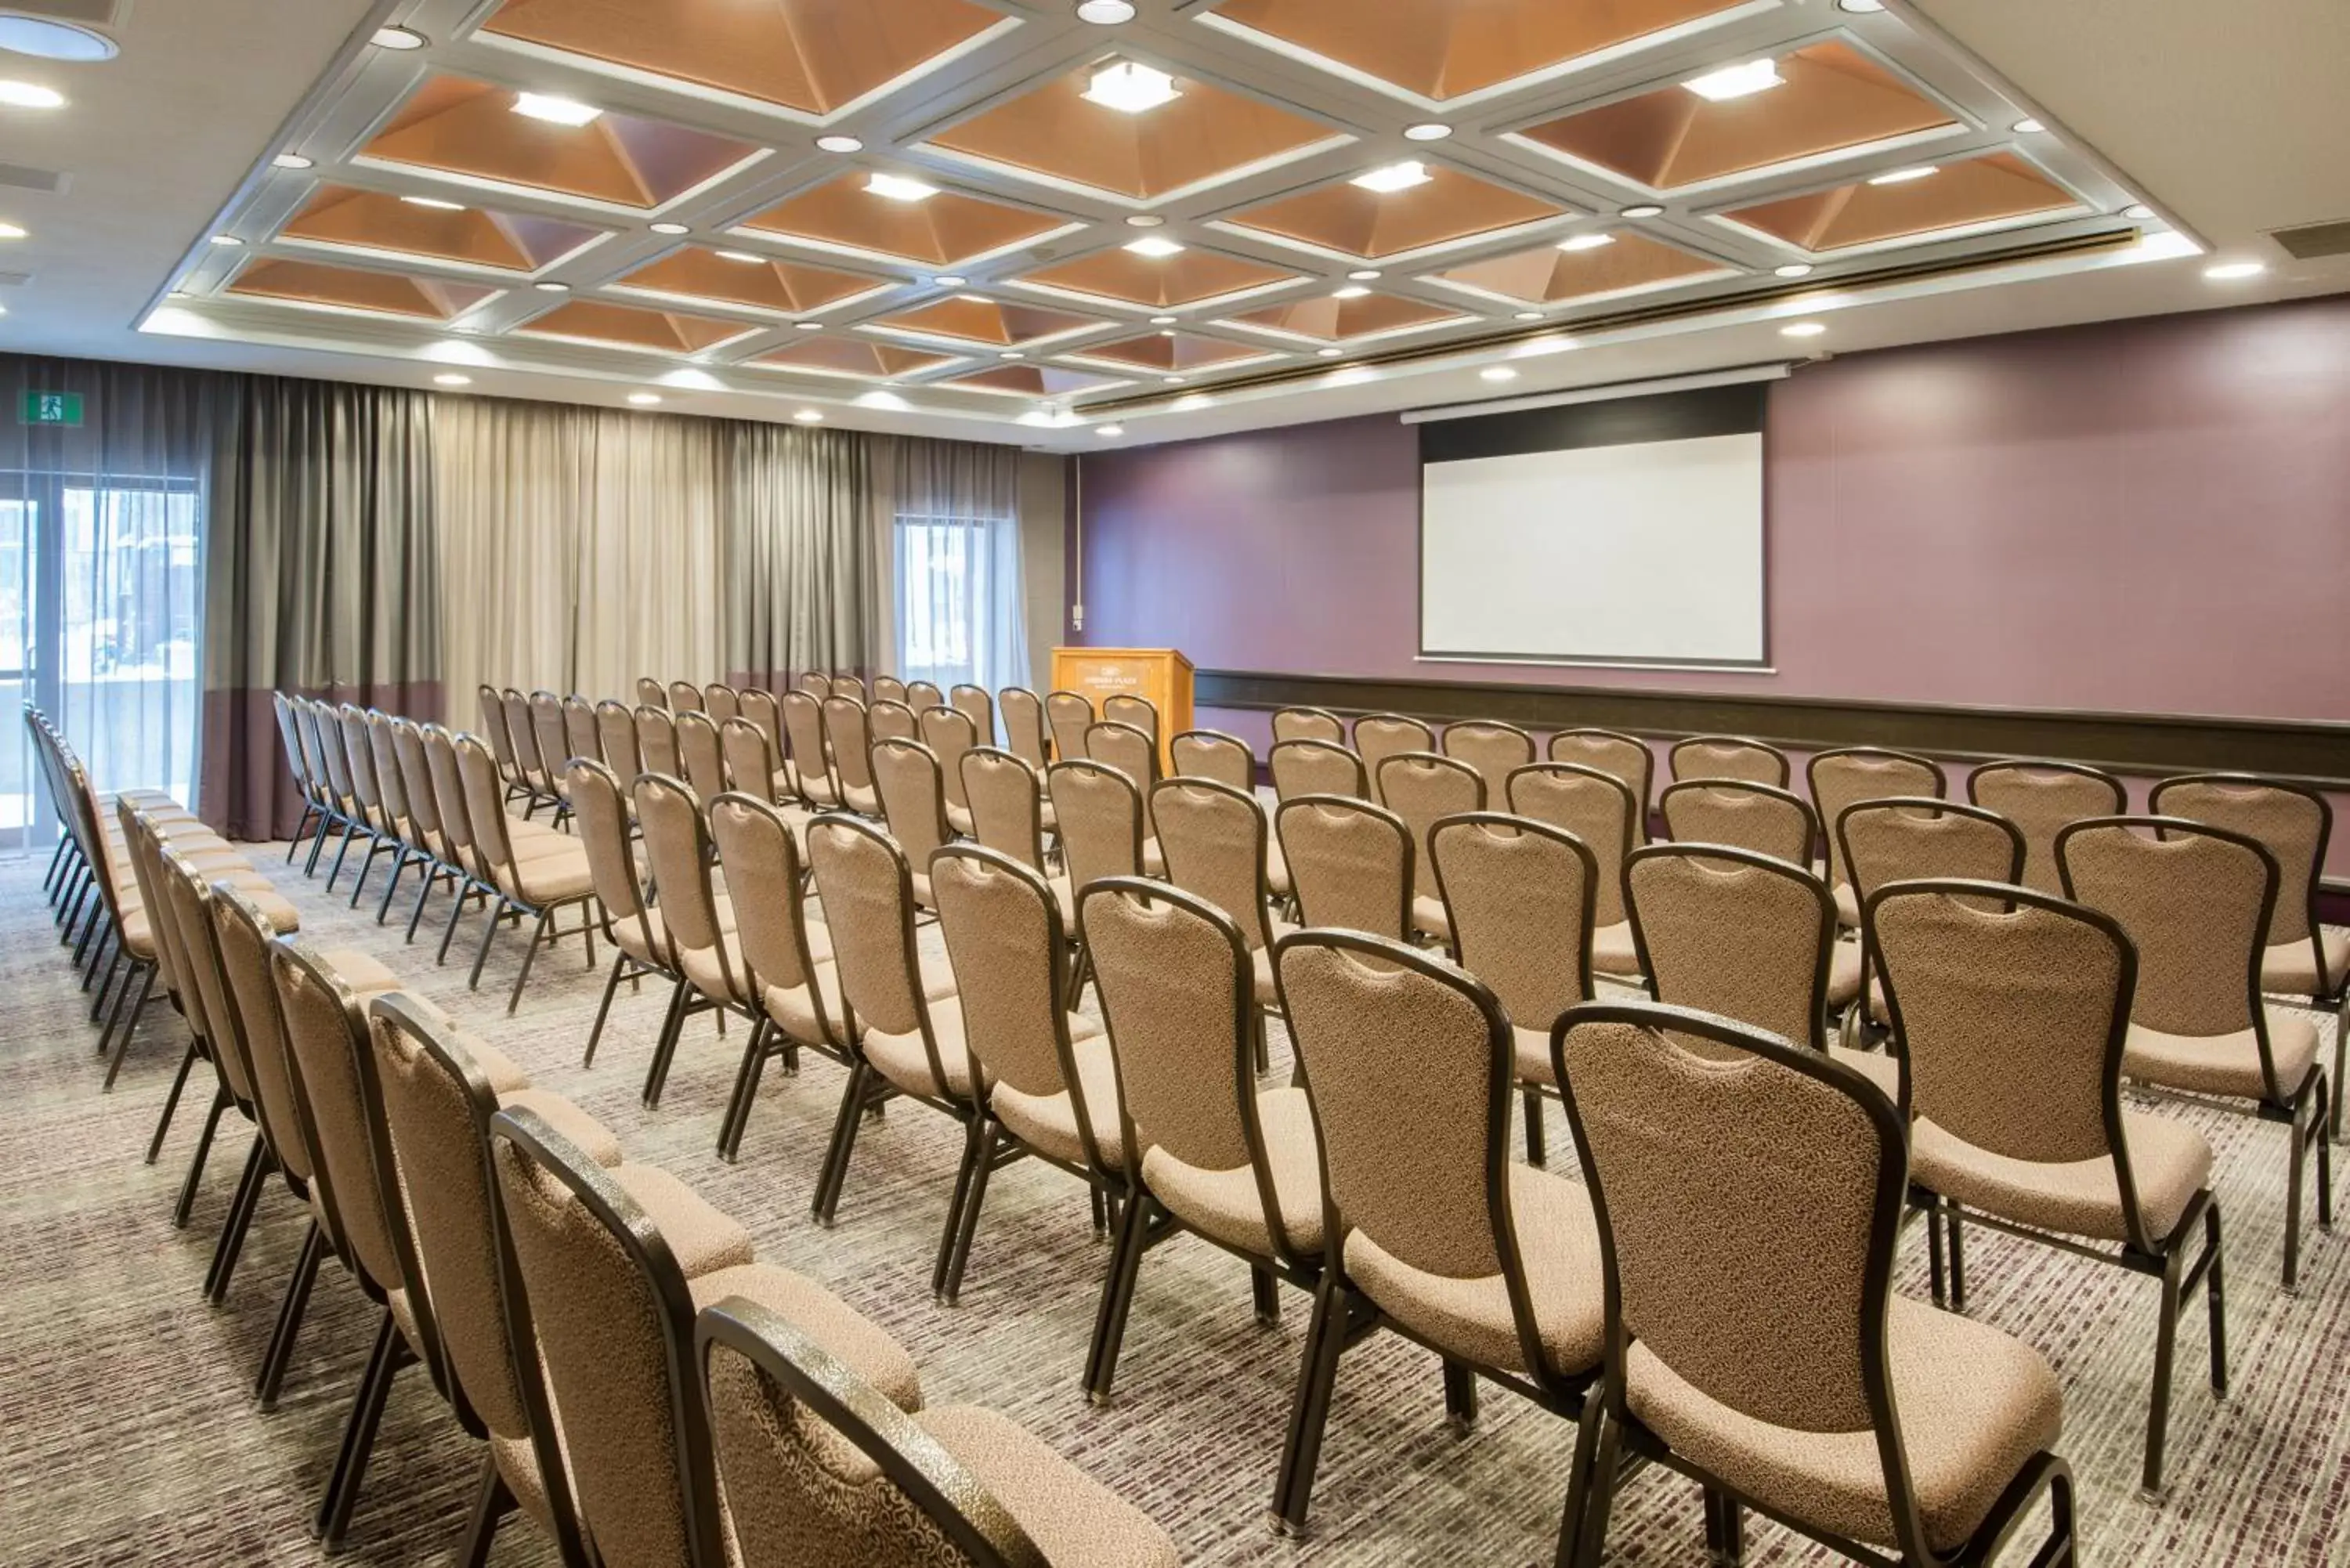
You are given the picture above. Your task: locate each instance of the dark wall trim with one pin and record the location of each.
(2139, 744)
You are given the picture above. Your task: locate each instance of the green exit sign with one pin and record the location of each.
(51, 408)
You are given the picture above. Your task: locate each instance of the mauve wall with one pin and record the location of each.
(2151, 515)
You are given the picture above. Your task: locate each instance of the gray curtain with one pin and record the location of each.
(802, 575)
(323, 577)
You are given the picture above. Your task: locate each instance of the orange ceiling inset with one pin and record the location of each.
(463, 127)
(987, 321)
(1988, 189)
(1351, 221)
(372, 220)
(764, 283)
(1172, 351)
(1029, 380)
(852, 356)
(809, 55)
(625, 326)
(1446, 48)
(1549, 275)
(942, 230)
(1164, 282)
(1207, 133)
(353, 288)
(1329, 319)
(1831, 97)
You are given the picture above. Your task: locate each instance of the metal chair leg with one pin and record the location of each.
(196, 1166)
(171, 1102)
(230, 1247)
(290, 1314)
(538, 937)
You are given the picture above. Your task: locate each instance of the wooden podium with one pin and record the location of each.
(1161, 674)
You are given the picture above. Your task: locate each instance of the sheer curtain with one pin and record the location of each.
(101, 573)
(961, 598)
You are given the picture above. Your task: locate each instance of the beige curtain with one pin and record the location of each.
(804, 580)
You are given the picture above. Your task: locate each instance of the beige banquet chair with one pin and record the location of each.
(809, 768)
(1728, 757)
(950, 734)
(1212, 755)
(1024, 733)
(1626, 757)
(1896, 840)
(1214, 838)
(1008, 812)
(605, 819)
(1847, 775)
(923, 696)
(2041, 798)
(1308, 724)
(1316, 767)
(1422, 788)
(684, 697)
(1494, 749)
(1741, 814)
(889, 720)
(702, 756)
(1350, 862)
(1379, 737)
(532, 884)
(765, 708)
(697, 931)
(616, 728)
(721, 702)
(1754, 1342)
(851, 745)
(974, 703)
(889, 689)
(650, 692)
(1603, 811)
(1125, 708)
(1069, 714)
(657, 750)
(1133, 752)
(913, 790)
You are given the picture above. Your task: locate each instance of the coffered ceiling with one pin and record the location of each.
(996, 218)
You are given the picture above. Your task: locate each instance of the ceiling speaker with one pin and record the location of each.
(16, 176)
(2314, 242)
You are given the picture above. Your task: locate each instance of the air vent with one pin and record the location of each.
(16, 177)
(2314, 242)
(102, 13)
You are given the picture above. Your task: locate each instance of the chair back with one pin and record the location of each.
(951, 733)
(616, 728)
(851, 687)
(751, 765)
(851, 743)
(1350, 863)
(815, 683)
(334, 783)
(188, 904)
(359, 752)
(1301, 767)
(1071, 714)
(684, 697)
(913, 798)
(1848, 775)
(1022, 715)
(1379, 737)
(868, 893)
(1098, 812)
(1132, 751)
(721, 702)
(1596, 807)
(1124, 708)
(923, 695)
(334, 752)
(289, 736)
(2293, 821)
(1422, 787)
(657, 741)
(582, 736)
(1213, 837)
(240, 940)
(889, 689)
(2041, 798)
(1741, 814)
(416, 785)
(1519, 895)
(703, 754)
(1212, 755)
(651, 693)
(761, 707)
(599, 814)
(1004, 937)
(764, 879)
(1728, 757)
(1626, 757)
(551, 735)
(1733, 933)
(491, 704)
(485, 813)
(448, 793)
(1494, 749)
(1007, 803)
(1897, 840)
(974, 703)
(1308, 724)
(889, 720)
(677, 858)
(524, 732)
(803, 723)
(391, 789)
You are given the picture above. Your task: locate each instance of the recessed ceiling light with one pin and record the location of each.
(10, 232)
(555, 109)
(551, 286)
(1802, 329)
(1643, 210)
(949, 280)
(226, 241)
(50, 40)
(1352, 291)
(1902, 176)
(25, 95)
(1012, 354)
(1392, 177)
(1174, 380)
(1110, 430)
(1585, 242)
(1144, 220)
(289, 161)
(1737, 81)
(1530, 315)
(671, 229)
(435, 203)
(2138, 211)
(644, 399)
(1427, 130)
(1497, 373)
(1162, 321)
(1105, 13)
(745, 257)
(810, 416)
(840, 144)
(810, 326)
(2228, 272)
(1364, 274)
(1195, 401)
(1794, 269)
(398, 38)
(890, 400)
(897, 188)
(1131, 88)
(1167, 332)
(451, 379)
(1154, 247)
(2029, 127)
(1861, 8)
(1326, 353)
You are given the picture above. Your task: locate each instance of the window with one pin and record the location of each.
(959, 600)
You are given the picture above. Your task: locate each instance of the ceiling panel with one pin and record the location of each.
(739, 277)
(1547, 275)
(980, 320)
(627, 326)
(353, 288)
(945, 228)
(348, 218)
(1171, 351)
(2001, 188)
(1445, 207)
(1329, 318)
(1192, 277)
(830, 356)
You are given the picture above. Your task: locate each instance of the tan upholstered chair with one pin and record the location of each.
(809, 767)
(815, 683)
(923, 696)
(580, 731)
(616, 728)
(2041, 798)
(1603, 811)
(350, 813)
(853, 688)
(316, 723)
(721, 702)
(316, 803)
(765, 708)
(1025, 736)
(1379, 737)
(1886, 1431)
(889, 720)
(651, 692)
(703, 756)
(2013, 1008)
(950, 734)
(1626, 757)
(1728, 757)
(1744, 815)
(850, 744)
(1125, 708)
(1042, 1082)
(532, 883)
(143, 850)
(1351, 863)
(753, 768)
(535, 768)
(657, 742)
(1433, 1232)
(1213, 754)
(613, 1293)
(974, 703)
(822, 1471)
(428, 811)
(491, 704)
(1100, 812)
(369, 817)
(907, 1032)
(1316, 767)
(1133, 752)
(1848, 775)
(2303, 957)
(1519, 896)
(1880, 842)
(684, 697)
(1214, 838)
(551, 741)
(1069, 714)
(889, 689)
(2197, 902)
(1308, 724)
(699, 944)
(1007, 807)
(604, 817)
(912, 789)
(398, 814)
(1225, 1161)
(1422, 787)
(1494, 749)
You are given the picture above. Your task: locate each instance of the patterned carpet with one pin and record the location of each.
(128, 1432)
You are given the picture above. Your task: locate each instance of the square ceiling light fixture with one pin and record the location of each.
(1131, 89)
(897, 188)
(1737, 81)
(555, 111)
(1153, 246)
(1389, 178)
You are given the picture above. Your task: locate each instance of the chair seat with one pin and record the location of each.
(1847, 906)
(1974, 1406)
(1266, 987)
(596, 1140)
(1881, 1070)
(1613, 951)
(2290, 969)
(863, 1345)
(504, 1074)
(702, 1239)
(553, 878)
(536, 841)
(959, 818)
(1048, 1122)
(1277, 868)
(1429, 917)
(2170, 1163)
(282, 915)
(2223, 1064)
(900, 1058)
(793, 1007)
(1226, 1204)
(363, 975)
(1843, 975)
(1070, 1517)
(862, 799)
(1558, 1239)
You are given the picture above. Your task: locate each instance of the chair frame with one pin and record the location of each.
(1740, 786)
(1673, 754)
(1354, 803)
(1313, 716)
